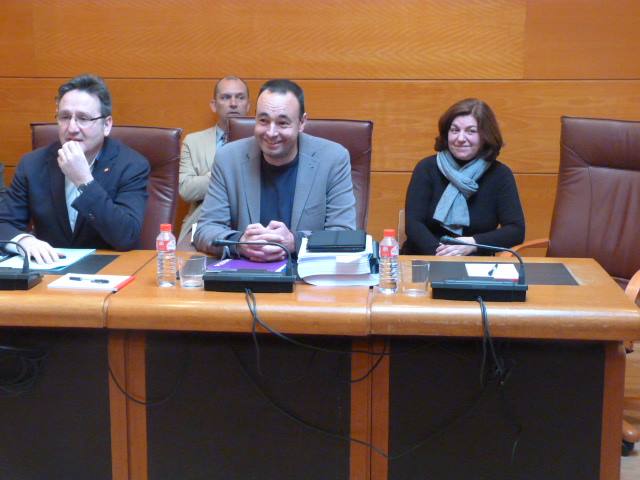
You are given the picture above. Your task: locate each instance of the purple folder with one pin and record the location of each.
(237, 264)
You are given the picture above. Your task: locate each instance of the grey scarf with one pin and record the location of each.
(452, 210)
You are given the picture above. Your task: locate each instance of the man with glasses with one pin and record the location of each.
(84, 191)
(230, 99)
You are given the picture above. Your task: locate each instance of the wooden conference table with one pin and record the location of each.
(220, 416)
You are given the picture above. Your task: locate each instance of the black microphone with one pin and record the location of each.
(495, 290)
(256, 279)
(23, 280)
(447, 240)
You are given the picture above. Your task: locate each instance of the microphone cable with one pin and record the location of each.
(25, 261)
(155, 402)
(453, 420)
(252, 304)
(20, 368)
(487, 340)
(254, 336)
(501, 375)
(439, 430)
(448, 240)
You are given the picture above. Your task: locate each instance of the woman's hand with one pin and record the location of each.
(457, 250)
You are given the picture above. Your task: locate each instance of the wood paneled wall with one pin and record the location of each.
(400, 64)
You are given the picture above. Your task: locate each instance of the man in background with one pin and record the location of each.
(230, 99)
(278, 185)
(85, 190)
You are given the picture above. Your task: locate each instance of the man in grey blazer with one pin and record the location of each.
(278, 185)
(230, 99)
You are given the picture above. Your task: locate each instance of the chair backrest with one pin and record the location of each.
(597, 209)
(354, 135)
(161, 147)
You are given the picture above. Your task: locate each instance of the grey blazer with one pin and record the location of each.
(323, 198)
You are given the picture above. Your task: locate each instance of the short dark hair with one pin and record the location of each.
(91, 84)
(487, 126)
(230, 77)
(282, 85)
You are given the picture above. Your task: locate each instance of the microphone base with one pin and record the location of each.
(258, 282)
(471, 290)
(19, 280)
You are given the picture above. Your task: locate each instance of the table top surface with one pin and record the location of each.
(595, 309)
(45, 307)
(309, 309)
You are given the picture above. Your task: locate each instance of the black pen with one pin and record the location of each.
(93, 280)
(493, 269)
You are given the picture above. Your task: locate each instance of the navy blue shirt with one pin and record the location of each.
(277, 188)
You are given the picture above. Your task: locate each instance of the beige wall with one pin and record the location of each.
(397, 63)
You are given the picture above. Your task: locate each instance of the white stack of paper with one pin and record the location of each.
(497, 271)
(336, 268)
(99, 282)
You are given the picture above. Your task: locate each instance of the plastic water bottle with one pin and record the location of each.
(166, 249)
(389, 251)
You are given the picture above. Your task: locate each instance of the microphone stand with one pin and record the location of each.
(23, 280)
(257, 279)
(494, 290)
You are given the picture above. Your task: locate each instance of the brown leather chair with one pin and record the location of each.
(598, 196)
(161, 146)
(597, 207)
(354, 135)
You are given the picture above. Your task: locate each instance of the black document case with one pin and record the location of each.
(337, 241)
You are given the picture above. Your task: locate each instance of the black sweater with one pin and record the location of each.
(495, 212)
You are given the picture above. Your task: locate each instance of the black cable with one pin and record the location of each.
(282, 381)
(28, 363)
(488, 340)
(511, 417)
(373, 367)
(25, 257)
(501, 375)
(180, 376)
(292, 416)
(251, 303)
(254, 335)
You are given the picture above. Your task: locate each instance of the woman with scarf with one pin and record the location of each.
(463, 191)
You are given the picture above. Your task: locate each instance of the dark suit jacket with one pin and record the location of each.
(110, 210)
